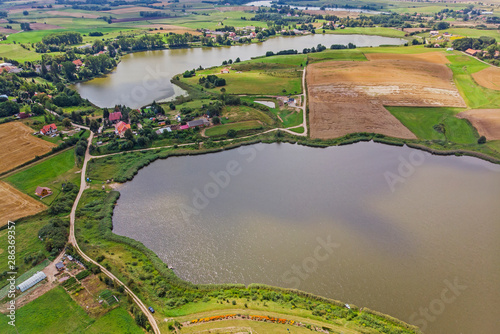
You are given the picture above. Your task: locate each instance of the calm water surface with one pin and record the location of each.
(143, 77)
(423, 246)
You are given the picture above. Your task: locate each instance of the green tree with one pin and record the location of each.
(128, 134)
(66, 122)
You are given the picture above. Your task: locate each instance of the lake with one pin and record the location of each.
(394, 229)
(143, 77)
(336, 9)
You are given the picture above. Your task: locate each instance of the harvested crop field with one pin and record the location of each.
(42, 26)
(14, 204)
(129, 10)
(72, 14)
(489, 78)
(347, 97)
(166, 28)
(19, 145)
(7, 31)
(486, 121)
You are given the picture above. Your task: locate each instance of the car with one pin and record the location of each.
(151, 309)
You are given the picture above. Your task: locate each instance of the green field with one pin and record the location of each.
(221, 130)
(245, 113)
(421, 121)
(115, 321)
(474, 95)
(339, 55)
(65, 315)
(379, 31)
(298, 60)
(256, 82)
(49, 173)
(469, 32)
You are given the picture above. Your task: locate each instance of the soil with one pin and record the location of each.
(489, 78)
(486, 121)
(347, 97)
(64, 13)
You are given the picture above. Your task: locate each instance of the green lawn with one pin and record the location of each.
(245, 113)
(470, 32)
(15, 51)
(221, 130)
(298, 130)
(379, 31)
(49, 173)
(340, 55)
(115, 321)
(64, 316)
(474, 95)
(421, 121)
(255, 82)
(298, 60)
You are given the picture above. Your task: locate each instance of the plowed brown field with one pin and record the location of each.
(14, 204)
(489, 78)
(486, 121)
(19, 145)
(347, 97)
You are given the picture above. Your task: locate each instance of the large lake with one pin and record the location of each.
(143, 77)
(398, 230)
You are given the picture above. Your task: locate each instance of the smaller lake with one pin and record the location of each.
(337, 9)
(144, 77)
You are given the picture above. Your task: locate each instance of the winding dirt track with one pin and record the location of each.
(72, 240)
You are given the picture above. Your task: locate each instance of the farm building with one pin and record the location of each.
(121, 127)
(160, 131)
(43, 192)
(224, 70)
(23, 115)
(60, 266)
(38, 277)
(198, 122)
(48, 129)
(472, 52)
(115, 116)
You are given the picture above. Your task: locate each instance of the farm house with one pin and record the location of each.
(38, 277)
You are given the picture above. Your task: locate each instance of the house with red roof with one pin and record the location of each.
(121, 127)
(48, 129)
(78, 63)
(115, 116)
(472, 52)
(43, 192)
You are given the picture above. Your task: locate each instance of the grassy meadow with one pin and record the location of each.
(221, 130)
(66, 317)
(475, 96)
(436, 124)
(51, 173)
